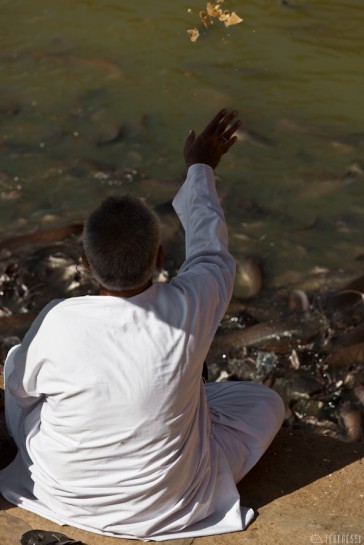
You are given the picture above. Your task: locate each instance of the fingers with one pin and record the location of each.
(226, 139)
(222, 127)
(225, 122)
(220, 122)
(190, 137)
(215, 122)
(189, 140)
(229, 143)
(231, 130)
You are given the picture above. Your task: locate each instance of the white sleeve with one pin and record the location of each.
(209, 269)
(21, 371)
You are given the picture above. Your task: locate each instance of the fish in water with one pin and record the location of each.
(119, 135)
(248, 278)
(249, 136)
(41, 236)
(352, 423)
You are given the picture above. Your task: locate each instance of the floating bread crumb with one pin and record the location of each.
(233, 19)
(213, 10)
(207, 21)
(193, 34)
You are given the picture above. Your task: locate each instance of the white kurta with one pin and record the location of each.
(105, 400)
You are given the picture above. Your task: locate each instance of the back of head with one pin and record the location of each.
(121, 240)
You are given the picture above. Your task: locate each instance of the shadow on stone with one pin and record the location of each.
(295, 459)
(8, 448)
(8, 451)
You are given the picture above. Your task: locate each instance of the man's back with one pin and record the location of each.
(116, 415)
(125, 426)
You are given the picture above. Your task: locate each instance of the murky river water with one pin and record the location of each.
(98, 96)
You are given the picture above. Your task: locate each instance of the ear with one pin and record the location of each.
(160, 258)
(85, 261)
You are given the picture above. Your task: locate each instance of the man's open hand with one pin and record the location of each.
(213, 142)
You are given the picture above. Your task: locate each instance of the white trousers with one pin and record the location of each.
(245, 418)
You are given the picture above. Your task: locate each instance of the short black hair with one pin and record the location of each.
(121, 240)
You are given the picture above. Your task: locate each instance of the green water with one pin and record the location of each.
(73, 72)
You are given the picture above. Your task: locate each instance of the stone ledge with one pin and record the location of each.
(306, 487)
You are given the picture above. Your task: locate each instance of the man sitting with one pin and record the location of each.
(117, 432)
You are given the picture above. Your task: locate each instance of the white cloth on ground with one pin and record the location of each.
(116, 432)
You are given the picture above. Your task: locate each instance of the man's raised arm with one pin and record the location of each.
(198, 207)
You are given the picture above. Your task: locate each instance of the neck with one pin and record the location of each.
(125, 293)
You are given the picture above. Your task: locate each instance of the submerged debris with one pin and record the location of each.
(309, 347)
